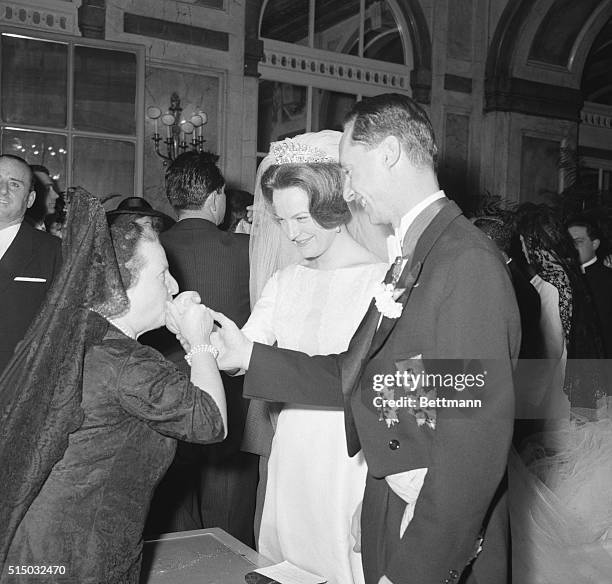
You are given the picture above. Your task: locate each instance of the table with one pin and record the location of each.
(202, 556)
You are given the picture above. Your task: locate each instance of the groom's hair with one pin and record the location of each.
(392, 114)
(323, 184)
(191, 178)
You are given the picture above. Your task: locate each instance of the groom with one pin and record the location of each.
(434, 497)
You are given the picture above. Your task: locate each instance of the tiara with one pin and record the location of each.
(292, 152)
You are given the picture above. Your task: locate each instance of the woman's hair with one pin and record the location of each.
(542, 229)
(126, 234)
(236, 203)
(323, 183)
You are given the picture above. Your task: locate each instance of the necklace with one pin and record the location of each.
(124, 330)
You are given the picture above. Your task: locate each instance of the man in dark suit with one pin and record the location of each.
(434, 496)
(29, 259)
(587, 240)
(216, 265)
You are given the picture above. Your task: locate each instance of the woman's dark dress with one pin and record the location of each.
(90, 513)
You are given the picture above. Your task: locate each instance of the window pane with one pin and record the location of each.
(336, 25)
(286, 20)
(381, 37)
(282, 112)
(589, 179)
(104, 91)
(329, 109)
(34, 82)
(104, 167)
(38, 148)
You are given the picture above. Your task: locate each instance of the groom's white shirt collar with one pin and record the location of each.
(394, 242)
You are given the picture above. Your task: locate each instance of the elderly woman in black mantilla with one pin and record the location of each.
(89, 417)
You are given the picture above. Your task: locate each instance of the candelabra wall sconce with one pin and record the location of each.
(182, 134)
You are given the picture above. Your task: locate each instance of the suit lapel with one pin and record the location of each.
(17, 256)
(426, 236)
(360, 342)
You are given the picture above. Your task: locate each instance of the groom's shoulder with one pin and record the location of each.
(462, 240)
(462, 234)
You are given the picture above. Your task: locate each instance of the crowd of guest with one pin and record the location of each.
(118, 426)
(564, 294)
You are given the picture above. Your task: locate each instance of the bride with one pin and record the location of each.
(313, 306)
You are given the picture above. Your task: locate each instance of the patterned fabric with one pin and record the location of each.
(585, 374)
(91, 511)
(40, 391)
(550, 269)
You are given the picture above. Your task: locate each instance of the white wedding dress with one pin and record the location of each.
(313, 486)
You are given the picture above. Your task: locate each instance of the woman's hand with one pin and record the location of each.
(195, 326)
(176, 308)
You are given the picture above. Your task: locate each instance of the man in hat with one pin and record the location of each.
(137, 206)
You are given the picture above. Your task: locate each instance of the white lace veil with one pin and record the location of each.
(270, 250)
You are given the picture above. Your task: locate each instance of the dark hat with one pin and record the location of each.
(138, 206)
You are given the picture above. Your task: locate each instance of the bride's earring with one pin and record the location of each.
(338, 229)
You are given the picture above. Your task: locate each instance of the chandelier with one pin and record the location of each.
(181, 133)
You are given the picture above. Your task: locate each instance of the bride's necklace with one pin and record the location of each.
(124, 330)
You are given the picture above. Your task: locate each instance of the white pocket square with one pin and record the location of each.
(26, 279)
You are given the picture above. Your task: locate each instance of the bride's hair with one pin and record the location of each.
(323, 184)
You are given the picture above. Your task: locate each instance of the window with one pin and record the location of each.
(365, 28)
(74, 106)
(320, 56)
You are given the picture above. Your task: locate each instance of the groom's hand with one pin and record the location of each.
(234, 347)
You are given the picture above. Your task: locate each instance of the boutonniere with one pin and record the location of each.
(386, 293)
(385, 296)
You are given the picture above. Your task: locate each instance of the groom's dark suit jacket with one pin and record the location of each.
(458, 304)
(33, 254)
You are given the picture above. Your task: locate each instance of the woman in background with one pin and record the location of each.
(47, 197)
(235, 219)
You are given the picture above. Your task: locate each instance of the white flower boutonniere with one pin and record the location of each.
(384, 296)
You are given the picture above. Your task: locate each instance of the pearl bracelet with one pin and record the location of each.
(201, 349)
